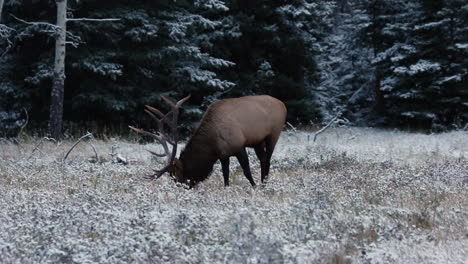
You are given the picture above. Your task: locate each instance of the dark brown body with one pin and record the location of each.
(226, 129)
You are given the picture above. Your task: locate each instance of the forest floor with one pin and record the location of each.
(357, 195)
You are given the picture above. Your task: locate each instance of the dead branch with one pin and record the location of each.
(75, 40)
(68, 20)
(95, 152)
(92, 19)
(53, 26)
(291, 126)
(327, 126)
(352, 99)
(88, 135)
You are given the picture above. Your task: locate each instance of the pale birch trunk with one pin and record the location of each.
(57, 92)
(1, 8)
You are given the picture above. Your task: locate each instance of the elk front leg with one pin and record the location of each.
(244, 162)
(225, 166)
(262, 155)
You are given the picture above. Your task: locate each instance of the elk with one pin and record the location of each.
(227, 127)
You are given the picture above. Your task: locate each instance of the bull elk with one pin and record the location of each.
(226, 129)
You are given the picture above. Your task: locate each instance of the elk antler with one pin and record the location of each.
(162, 119)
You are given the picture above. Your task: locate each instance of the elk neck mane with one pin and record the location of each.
(199, 156)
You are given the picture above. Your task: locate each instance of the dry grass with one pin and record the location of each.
(354, 196)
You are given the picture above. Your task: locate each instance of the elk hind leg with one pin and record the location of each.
(225, 166)
(244, 162)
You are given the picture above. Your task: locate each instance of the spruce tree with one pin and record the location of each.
(281, 38)
(425, 82)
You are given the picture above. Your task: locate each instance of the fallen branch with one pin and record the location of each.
(353, 98)
(327, 126)
(95, 152)
(88, 135)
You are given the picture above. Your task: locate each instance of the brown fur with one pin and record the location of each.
(227, 127)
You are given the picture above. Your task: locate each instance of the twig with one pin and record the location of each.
(88, 135)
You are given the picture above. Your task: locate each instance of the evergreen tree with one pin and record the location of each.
(412, 74)
(425, 78)
(22, 62)
(155, 49)
(280, 38)
(377, 62)
(347, 74)
(161, 47)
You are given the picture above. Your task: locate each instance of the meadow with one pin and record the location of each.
(356, 195)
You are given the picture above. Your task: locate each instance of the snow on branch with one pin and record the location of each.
(5, 34)
(68, 20)
(53, 26)
(74, 39)
(5, 31)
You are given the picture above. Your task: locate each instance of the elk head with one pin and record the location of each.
(173, 165)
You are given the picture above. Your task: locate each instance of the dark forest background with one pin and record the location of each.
(381, 63)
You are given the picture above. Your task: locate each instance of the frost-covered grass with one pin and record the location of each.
(354, 196)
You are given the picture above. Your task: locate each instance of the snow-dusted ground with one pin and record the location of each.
(354, 196)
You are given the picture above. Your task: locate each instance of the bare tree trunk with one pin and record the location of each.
(1, 8)
(57, 92)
